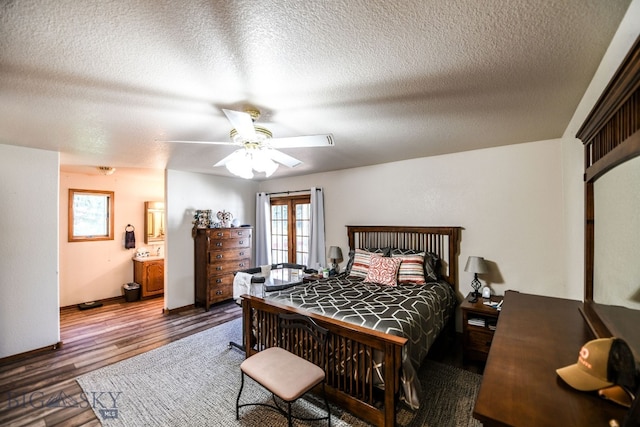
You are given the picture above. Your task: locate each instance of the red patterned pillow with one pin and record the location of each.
(383, 270)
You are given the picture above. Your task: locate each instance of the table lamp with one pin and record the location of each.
(335, 255)
(476, 265)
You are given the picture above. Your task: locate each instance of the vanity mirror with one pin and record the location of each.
(611, 137)
(154, 226)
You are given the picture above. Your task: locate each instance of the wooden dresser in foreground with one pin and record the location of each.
(520, 387)
(219, 252)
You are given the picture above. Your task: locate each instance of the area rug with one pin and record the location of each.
(194, 382)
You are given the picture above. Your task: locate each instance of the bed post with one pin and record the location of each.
(393, 362)
(246, 327)
(454, 251)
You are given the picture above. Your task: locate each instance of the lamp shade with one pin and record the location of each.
(476, 264)
(335, 253)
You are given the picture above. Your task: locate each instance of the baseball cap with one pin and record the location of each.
(601, 363)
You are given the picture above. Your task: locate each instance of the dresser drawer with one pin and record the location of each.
(220, 292)
(214, 281)
(215, 257)
(228, 233)
(479, 340)
(225, 244)
(227, 267)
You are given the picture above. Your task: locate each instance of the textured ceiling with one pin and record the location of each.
(104, 81)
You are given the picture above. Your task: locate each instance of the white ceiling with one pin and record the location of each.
(104, 81)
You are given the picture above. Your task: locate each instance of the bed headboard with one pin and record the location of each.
(443, 241)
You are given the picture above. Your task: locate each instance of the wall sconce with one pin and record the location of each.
(476, 265)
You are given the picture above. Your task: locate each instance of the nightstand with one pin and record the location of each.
(478, 326)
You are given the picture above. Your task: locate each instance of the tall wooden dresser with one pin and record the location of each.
(219, 252)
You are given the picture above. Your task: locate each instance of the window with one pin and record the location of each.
(290, 229)
(90, 215)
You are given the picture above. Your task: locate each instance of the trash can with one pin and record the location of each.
(131, 292)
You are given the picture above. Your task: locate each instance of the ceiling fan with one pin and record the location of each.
(259, 150)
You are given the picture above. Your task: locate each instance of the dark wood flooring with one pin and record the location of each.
(40, 389)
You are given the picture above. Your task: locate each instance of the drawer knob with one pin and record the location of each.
(220, 234)
(218, 292)
(218, 268)
(218, 281)
(241, 242)
(241, 253)
(219, 244)
(241, 264)
(219, 256)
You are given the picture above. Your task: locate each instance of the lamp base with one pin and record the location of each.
(335, 267)
(475, 284)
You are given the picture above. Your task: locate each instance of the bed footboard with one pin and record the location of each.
(352, 359)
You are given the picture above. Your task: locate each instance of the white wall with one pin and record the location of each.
(29, 316)
(97, 270)
(573, 216)
(186, 192)
(509, 200)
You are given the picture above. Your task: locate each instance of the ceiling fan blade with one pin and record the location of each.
(225, 160)
(242, 123)
(285, 159)
(203, 142)
(302, 141)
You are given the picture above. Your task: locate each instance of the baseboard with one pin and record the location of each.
(13, 358)
(167, 311)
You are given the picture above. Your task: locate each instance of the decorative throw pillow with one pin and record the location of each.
(352, 254)
(411, 269)
(361, 261)
(432, 266)
(383, 270)
(386, 251)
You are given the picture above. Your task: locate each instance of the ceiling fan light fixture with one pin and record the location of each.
(262, 162)
(240, 164)
(244, 161)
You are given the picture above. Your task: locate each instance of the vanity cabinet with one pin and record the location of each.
(219, 253)
(149, 274)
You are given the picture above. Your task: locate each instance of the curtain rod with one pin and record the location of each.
(291, 191)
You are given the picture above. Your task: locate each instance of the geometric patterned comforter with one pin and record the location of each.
(416, 312)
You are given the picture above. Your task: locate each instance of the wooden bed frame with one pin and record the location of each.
(345, 384)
